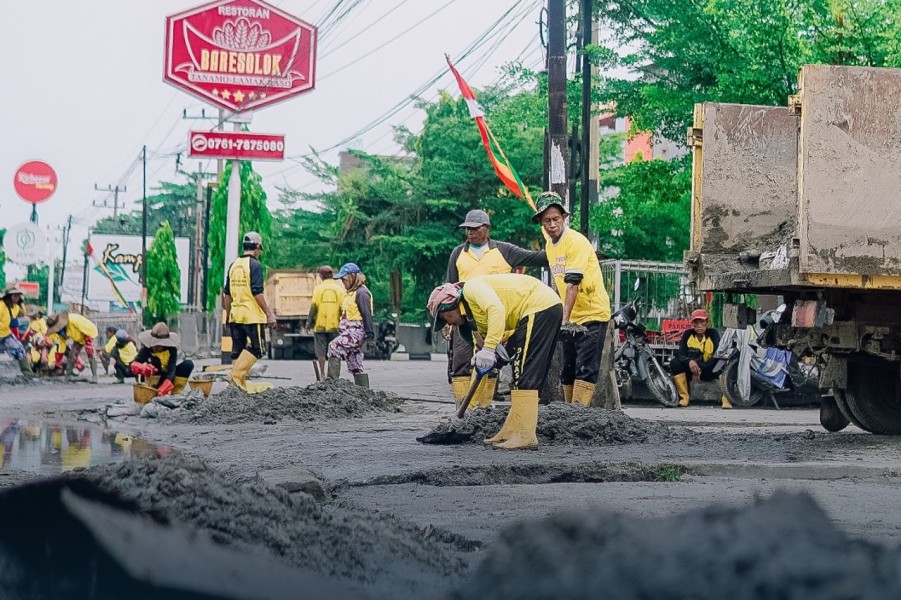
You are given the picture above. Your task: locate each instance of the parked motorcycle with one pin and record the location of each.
(634, 359)
(775, 373)
(385, 343)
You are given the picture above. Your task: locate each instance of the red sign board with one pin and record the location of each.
(236, 145)
(35, 181)
(240, 54)
(32, 289)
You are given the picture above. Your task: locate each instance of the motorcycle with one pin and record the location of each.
(774, 372)
(634, 359)
(385, 343)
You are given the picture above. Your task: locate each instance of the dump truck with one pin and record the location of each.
(289, 295)
(804, 201)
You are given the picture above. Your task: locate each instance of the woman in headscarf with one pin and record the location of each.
(355, 328)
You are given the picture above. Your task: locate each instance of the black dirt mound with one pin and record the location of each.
(558, 423)
(784, 547)
(389, 556)
(338, 399)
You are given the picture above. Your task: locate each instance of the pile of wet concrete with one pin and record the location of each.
(558, 423)
(334, 399)
(784, 547)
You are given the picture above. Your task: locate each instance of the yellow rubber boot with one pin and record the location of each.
(242, 364)
(582, 392)
(460, 386)
(725, 402)
(256, 388)
(485, 393)
(568, 391)
(524, 426)
(179, 385)
(681, 382)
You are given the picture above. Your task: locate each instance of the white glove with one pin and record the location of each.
(484, 359)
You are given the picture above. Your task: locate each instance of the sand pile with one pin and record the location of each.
(558, 423)
(339, 399)
(784, 547)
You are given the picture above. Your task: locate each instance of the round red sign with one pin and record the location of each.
(35, 181)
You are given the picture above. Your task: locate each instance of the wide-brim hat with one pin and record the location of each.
(57, 322)
(13, 289)
(159, 335)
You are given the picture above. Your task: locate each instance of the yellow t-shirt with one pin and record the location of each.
(704, 346)
(327, 299)
(499, 302)
(110, 344)
(349, 307)
(244, 308)
(573, 254)
(80, 328)
(38, 326)
(7, 314)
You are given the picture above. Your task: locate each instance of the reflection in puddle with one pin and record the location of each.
(51, 448)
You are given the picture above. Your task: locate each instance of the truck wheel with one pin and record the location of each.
(831, 418)
(874, 395)
(841, 401)
(729, 387)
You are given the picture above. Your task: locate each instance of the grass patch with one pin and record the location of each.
(668, 473)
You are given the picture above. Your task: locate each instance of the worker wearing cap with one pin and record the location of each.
(480, 255)
(586, 306)
(492, 305)
(325, 313)
(246, 310)
(78, 332)
(159, 355)
(355, 328)
(122, 354)
(694, 358)
(9, 342)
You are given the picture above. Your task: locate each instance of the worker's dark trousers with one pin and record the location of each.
(531, 347)
(582, 353)
(247, 336)
(459, 356)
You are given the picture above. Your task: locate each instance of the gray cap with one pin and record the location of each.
(252, 237)
(476, 218)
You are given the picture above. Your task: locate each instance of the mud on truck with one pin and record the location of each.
(804, 201)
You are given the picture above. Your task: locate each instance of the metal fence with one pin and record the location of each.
(664, 293)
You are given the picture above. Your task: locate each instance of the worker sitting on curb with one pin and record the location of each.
(355, 328)
(246, 311)
(122, 354)
(586, 305)
(9, 342)
(695, 357)
(159, 354)
(489, 305)
(325, 314)
(480, 255)
(78, 332)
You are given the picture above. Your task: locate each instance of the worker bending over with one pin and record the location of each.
(159, 355)
(78, 332)
(487, 306)
(122, 353)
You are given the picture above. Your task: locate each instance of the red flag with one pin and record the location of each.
(503, 168)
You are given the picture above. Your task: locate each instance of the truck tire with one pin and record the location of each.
(841, 401)
(831, 418)
(874, 395)
(729, 387)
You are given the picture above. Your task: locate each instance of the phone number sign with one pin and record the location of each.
(236, 145)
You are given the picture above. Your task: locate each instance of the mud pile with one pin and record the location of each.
(784, 547)
(10, 374)
(558, 423)
(389, 557)
(339, 399)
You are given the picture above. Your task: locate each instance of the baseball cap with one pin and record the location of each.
(699, 314)
(121, 335)
(347, 269)
(252, 237)
(476, 218)
(544, 202)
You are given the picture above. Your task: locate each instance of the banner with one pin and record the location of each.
(121, 255)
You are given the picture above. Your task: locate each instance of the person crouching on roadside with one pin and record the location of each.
(78, 332)
(123, 353)
(694, 358)
(355, 328)
(159, 354)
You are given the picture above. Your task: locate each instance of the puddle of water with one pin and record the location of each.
(52, 448)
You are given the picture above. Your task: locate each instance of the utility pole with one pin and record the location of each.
(144, 233)
(590, 134)
(84, 276)
(62, 274)
(115, 190)
(198, 253)
(556, 74)
(220, 121)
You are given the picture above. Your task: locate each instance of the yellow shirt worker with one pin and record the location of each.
(79, 332)
(586, 305)
(493, 305)
(325, 313)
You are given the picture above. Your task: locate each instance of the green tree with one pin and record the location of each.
(172, 202)
(163, 278)
(254, 217)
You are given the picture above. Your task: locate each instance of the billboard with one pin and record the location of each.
(240, 55)
(121, 254)
(236, 145)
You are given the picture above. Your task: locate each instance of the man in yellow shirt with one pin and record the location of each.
(586, 306)
(10, 308)
(480, 255)
(325, 313)
(108, 345)
(487, 307)
(122, 352)
(246, 311)
(79, 332)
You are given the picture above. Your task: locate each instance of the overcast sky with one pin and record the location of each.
(82, 89)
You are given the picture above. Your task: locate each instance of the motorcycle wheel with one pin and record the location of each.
(659, 383)
(729, 387)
